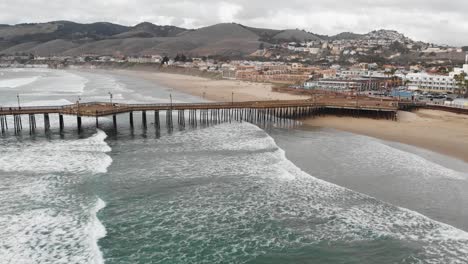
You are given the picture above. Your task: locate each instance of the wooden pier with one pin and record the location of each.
(199, 113)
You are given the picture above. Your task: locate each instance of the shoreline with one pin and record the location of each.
(442, 132)
(439, 131)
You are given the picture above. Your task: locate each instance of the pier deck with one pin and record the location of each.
(99, 109)
(250, 111)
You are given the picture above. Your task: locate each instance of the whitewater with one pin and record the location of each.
(43, 220)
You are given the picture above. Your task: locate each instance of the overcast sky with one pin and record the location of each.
(443, 22)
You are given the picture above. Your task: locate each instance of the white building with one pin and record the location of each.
(353, 73)
(436, 83)
(431, 83)
(145, 59)
(341, 85)
(292, 45)
(314, 51)
(464, 69)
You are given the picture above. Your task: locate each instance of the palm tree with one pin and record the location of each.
(462, 84)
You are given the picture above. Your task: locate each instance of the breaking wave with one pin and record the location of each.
(44, 217)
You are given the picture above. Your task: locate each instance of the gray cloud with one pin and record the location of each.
(436, 21)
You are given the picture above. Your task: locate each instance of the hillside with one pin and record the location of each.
(296, 35)
(148, 30)
(69, 38)
(44, 32)
(346, 35)
(102, 38)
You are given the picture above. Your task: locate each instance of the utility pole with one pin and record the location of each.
(232, 98)
(110, 96)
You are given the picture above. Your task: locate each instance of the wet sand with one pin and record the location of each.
(439, 131)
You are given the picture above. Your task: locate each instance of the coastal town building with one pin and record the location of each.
(346, 85)
(145, 59)
(436, 83)
(431, 83)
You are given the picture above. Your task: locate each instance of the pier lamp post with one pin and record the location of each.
(170, 100)
(110, 97)
(78, 106)
(232, 98)
(18, 97)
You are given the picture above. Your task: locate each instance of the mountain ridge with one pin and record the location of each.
(229, 39)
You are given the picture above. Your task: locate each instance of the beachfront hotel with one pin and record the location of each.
(431, 83)
(436, 83)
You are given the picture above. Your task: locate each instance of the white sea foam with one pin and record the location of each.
(59, 234)
(96, 231)
(17, 82)
(64, 82)
(44, 82)
(98, 85)
(42, 219)
(82, 155)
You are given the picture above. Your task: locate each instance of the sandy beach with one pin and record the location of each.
(214, 90)
(439, 131)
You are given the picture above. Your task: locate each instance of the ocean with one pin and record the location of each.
(228, 193)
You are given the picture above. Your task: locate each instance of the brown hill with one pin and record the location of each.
(229, 39)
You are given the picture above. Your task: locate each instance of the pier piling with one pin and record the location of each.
(61, 123)
(46, 123)
(169, 123)
(32, 124)
(18, 124)
(114, 121)
(78, 123)
(143, 119)
(2, 123)
(157, 123)
(130, 116)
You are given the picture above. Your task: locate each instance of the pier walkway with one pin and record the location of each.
(250, 111)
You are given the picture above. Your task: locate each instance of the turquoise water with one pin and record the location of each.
(221, 194)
